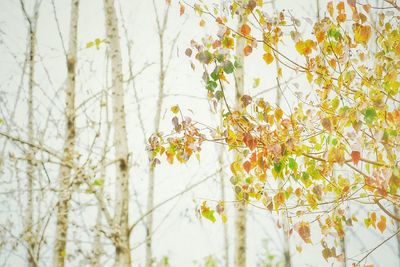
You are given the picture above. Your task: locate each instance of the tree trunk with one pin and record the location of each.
(240, 220)
(397, 214)
(98, 250)
(222, 188)
(30, 232)
(161, 80)
(69, 144)
(31, 236)
(121, 215)
(285, 221)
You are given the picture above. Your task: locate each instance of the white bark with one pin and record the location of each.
(397, 214)
(161, 80)
(69, 144)
(222, 188)
(121, 216)
(283, 215)
(31, 236)
(97, 247)
(240, 220)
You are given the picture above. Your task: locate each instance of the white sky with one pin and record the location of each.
(180, 235)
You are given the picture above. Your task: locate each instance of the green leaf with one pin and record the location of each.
(215, 74)
(98, 182)
(211, 85)
(228, 67)
(370, 115)
(292, 164)
(278, 166)
(209, 215)
(219, 95)
(205, 57)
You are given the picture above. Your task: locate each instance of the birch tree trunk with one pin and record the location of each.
(69, 143)
(31, 236)
(222, 188)
(98, 250)
(240, 220)
(397, 214)
(121, 215)
(284, 215)
(161, 27)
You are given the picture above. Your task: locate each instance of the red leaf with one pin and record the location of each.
(355, 156)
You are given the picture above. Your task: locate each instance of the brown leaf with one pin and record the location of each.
(326, 123)
(188, 52)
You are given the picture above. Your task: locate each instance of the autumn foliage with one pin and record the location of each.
(338, 144)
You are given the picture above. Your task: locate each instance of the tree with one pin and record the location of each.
(121, 215)
(240, 220)
(66, 169)
(31, 236)
(348, 120)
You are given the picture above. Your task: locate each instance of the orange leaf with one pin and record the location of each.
(181, 9)
(247, 166)
(268, 58)
(341, 17)
(340, 7)
(382, 224)
(303, 229)
(249, 141)
(373, 217)
(320, 35)
(355, 156)
(366, 7)
(247, 50)
(245, 29)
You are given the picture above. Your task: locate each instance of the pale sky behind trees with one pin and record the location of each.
(180, 233)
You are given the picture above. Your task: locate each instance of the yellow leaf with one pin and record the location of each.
(278, 114)
(175, 109)
(309, 77)
(279, 72)
(268, 58)
(362, 34)
(224, 218)
(330, 8)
